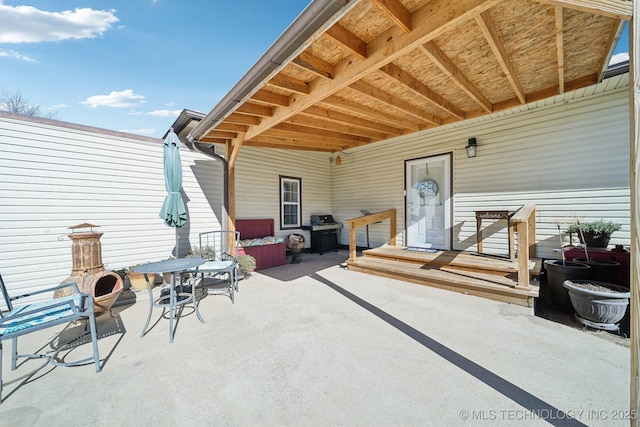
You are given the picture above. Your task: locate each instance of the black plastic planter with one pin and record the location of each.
(557, 272)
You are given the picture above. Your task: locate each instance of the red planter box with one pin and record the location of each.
(266, 256)
(604, 255)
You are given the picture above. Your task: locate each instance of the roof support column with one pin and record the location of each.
(233, 147)
(634, 119)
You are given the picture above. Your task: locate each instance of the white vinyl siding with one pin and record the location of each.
(55, 175)
(258, 171)
(569, 158)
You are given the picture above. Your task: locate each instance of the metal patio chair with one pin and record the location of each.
(18, 321)
(219, 274)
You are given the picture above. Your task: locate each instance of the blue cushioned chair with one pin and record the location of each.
(17, 321)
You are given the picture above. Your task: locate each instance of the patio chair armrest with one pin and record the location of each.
(73, 285)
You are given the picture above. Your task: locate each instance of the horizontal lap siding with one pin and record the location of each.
(258, 172)
(53, 176)
(570, 159)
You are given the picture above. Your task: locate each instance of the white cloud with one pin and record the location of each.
(26, 24)
(619, 57)
(15, 55)
(123, 99)
(164, 113)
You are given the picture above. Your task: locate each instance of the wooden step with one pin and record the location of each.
(455, 279)
(454, 259)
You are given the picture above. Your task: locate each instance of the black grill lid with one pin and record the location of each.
(322, 219)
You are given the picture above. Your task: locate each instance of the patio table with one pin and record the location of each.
(173, 299)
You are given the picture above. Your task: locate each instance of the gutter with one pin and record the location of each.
(314, 17)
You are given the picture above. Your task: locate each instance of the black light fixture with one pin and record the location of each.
(472, 147)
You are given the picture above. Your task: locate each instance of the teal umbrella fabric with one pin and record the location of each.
(173, 211)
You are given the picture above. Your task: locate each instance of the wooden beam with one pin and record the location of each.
(314, 64)
(392, 70)
(322, 133)
(242, 119)
(634, 137)
(382, 116)
(389, 99)
(491, 34)
(289, 83)
(447, 66)
(435, 18)
(232, 127)
(231, 190)
(619, 9)
(255, 110)
(271, 98)
(339, 117)
(396, 12)
(560, 47)
(235, 150)
(270, 142)
(347, 40)
(221, 134)
(317, 123)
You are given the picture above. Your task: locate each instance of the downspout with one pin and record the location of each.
(225, 179)
(292, 40)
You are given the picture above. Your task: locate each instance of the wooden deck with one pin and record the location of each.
(465, 272)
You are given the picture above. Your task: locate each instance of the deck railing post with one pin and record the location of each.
(364, 220)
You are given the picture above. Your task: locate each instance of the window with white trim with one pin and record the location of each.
(290, 202)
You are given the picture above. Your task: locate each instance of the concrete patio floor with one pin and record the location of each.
(313, 344)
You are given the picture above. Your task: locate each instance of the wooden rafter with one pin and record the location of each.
(289, 83)
(395, 102)
(619, 9)
(421, 89)
(435, 18)
(381, 116)
(490, 32)
(243, 119)
(308, 139)
(447, 66)
(347, 40)
(314, 64)
(344, 128)
(270, 98)
(396, 12)
(322, 133)
(255, 110)
(338, 117)
(559, 46)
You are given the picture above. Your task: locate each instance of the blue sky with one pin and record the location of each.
(133, 65)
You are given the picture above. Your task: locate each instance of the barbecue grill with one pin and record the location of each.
(324, 233)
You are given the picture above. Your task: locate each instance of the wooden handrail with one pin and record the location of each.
(525, 221)
(354, 223)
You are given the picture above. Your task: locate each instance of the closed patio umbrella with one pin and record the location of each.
(173, 211)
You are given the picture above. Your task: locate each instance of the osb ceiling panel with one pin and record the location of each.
(391, 67)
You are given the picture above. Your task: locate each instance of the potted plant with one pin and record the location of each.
(598, 304)
(558, 271)
(137, 281)
(247, 264)
(594, 234)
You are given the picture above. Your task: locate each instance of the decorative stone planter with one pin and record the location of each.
(557, 272)
(138, 282)
(600, 305)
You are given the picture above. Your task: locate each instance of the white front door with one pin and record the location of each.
(428, 202)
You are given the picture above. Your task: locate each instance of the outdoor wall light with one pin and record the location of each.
(338, 160)
(472, 147)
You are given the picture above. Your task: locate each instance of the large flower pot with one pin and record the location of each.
(557, 272)
(601, 270)
(598, 304)
(595, 241)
